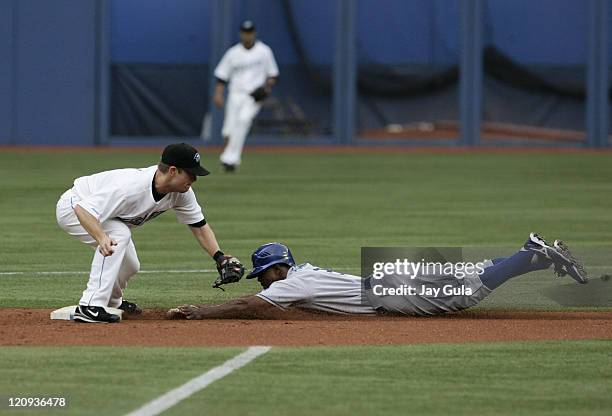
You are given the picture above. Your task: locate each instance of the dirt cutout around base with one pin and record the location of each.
(32, 327)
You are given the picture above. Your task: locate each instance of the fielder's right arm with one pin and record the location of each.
(94, 229)
(219, 88)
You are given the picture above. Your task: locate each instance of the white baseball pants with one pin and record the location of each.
(109, 275)
(240, 110)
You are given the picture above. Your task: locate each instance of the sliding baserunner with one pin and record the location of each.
(287, 286)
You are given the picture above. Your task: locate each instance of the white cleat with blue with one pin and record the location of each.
(563, 261)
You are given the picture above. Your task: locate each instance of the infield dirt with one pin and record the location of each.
(32, 327)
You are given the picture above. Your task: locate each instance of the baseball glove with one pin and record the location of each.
(260, 94)
(230, 271)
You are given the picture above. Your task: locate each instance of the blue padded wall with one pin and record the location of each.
(53, 72)
(6, 71)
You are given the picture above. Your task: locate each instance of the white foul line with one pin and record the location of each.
(166, 401)
(66, 273)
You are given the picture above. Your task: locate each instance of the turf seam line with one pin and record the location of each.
(171, 271)
(86, 271)
(171, 398)
(140, 272)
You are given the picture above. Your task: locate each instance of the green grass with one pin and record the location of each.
(527, 378)
(101, 380)
(325, 207)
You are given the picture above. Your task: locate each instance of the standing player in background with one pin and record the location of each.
(101, 210)
(251, 71)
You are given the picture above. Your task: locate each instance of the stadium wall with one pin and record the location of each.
(542, 32)
(49, 76)
(50, 80)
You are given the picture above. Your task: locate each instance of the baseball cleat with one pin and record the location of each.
(130, 308)
(228, 168)
(566, 263)
(537, 243)
(562, 260)
(94, 314)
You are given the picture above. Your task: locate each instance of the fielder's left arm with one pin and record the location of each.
(206, 238)
(229, 267)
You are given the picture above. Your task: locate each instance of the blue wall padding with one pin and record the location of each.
(389, 31)
(53, 77)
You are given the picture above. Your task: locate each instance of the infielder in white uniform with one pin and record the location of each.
(308, 288)
(251, 71)
(101, 210)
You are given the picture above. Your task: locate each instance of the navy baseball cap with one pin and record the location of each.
(185, 157)
(247, 26)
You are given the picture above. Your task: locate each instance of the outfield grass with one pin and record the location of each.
(324, 206)
(527, 378)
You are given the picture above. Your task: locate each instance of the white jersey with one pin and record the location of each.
(310, 287)
(127, 195)
(246, 69)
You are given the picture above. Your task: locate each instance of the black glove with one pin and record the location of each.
(230, 270)
(260, 94)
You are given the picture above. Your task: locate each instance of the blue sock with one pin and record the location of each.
(518, 264)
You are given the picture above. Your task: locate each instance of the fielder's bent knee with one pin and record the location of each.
(133, 266)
